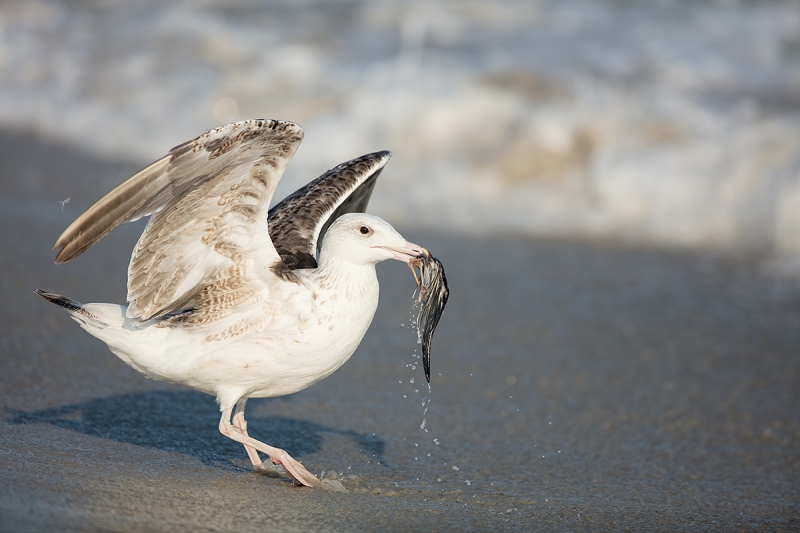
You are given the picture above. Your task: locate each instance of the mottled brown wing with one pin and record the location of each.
(208, 199)
(298, 223)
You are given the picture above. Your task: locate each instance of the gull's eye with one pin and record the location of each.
(364, 230)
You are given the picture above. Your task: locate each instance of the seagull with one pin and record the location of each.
(228, 297)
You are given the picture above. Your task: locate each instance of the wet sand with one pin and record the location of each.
(576, 386)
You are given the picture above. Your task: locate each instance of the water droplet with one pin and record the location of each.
(411, 380)
(424, 421)
(455, 467)
(400, 381)
(405, 396)
(436, 441)
(415, 444)
(413, 367)
(467, 482)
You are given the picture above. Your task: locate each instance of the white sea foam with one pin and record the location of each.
(673, 122)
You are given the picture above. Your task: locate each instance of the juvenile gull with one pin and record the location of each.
(227, 297)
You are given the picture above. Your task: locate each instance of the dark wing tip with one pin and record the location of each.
(64, 254)
(72, 248)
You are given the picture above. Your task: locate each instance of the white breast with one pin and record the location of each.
(317, 328)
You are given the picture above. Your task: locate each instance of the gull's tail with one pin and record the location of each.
(108, 322)
(89, 316)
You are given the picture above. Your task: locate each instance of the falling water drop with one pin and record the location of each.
(428, 403)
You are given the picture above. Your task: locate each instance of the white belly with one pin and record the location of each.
(272, 362)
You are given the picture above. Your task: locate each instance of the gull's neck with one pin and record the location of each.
(339, 274)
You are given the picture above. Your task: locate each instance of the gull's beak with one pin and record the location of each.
(406, 253)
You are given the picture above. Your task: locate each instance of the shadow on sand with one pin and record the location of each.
(185, 422)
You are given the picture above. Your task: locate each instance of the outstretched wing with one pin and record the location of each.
(298, 223)
(206, 238)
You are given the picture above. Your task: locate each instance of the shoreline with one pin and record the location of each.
(651, 389)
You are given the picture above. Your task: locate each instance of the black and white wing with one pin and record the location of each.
(298, 223)
(206, 243)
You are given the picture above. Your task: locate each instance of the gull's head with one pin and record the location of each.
(365, 239)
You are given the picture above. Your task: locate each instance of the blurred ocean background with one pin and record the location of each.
(666, 123)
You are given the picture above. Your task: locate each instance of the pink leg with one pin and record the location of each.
(292, 468)
(241, 424)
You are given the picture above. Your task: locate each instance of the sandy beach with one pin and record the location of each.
(575, 386)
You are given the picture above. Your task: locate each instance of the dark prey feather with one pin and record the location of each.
(433, 296)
